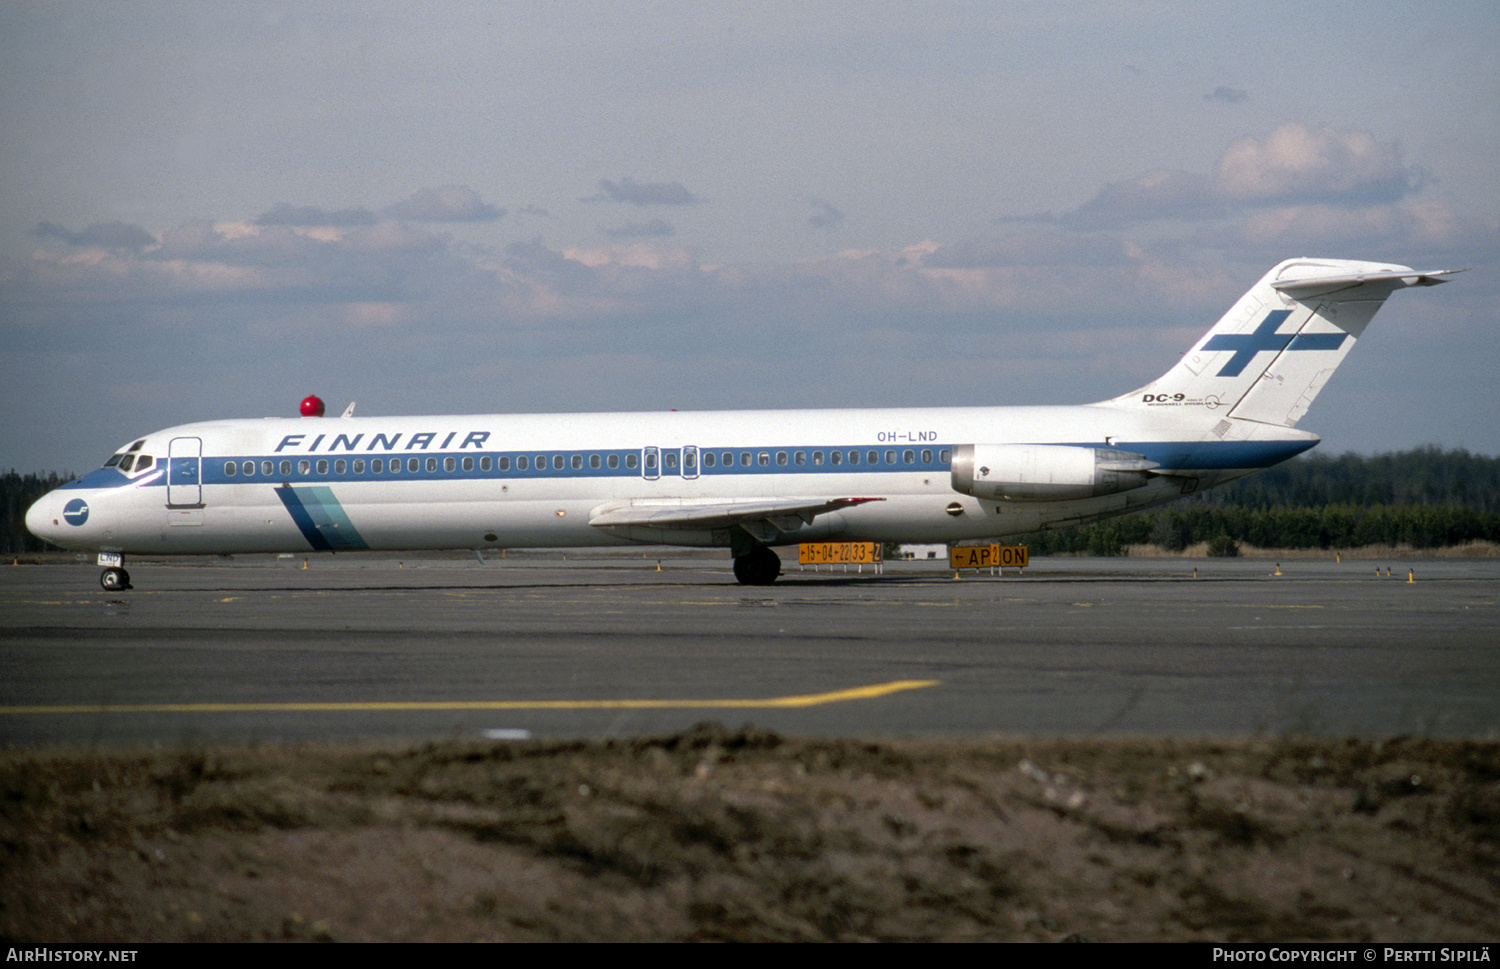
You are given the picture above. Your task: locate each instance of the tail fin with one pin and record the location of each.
(1270, 355)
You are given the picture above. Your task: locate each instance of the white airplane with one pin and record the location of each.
(746, 480)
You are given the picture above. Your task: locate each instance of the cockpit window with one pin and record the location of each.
(121, 458)
(130, 463)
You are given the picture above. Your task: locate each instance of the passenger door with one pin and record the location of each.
(185, 473)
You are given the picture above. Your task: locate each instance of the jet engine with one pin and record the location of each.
(1045, 472)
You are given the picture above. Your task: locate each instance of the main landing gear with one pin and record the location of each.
(115, 580)
(759, 566)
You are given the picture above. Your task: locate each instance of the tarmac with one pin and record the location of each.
(553, 644)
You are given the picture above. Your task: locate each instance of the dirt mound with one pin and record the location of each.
(743, 835)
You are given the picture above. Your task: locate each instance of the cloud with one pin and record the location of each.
(1229, 95)
(307, 215)
(1430, 227)
(1293, 165)
(1045, 247)
(826, 216)
(450, 203)
(1161, 194)
(105, 235)
(643, 193)
(1300, 164)
(637, 230)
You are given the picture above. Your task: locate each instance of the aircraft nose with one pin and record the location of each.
(48, 517)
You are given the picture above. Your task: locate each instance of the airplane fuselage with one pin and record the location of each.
(332, 484)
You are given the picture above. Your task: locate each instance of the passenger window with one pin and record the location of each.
(632, 461)
(541, 462)
(577, 462)
(817, 458)
(836, 457)
(377, 465)
(690, 460)
(340, 466)
(890, 457)
(448, 464)
(908, 457)
(944, 456)
(267, 468)
(432, 465)
(249, 468)
(650, 460)
(359, 465)
(503, 464)
(304, 466)
(395, 465)
(708, 459)
(523, 463)
(744, 459)
(413, 465)
(926, 455)
(230, 468)
(873, 457)
(728, 459)
(469, 464)
(670, 460)
(613, 461)
(594, 462)
(557, 462)
(853, 457)
(322, 467)
(286, 468)
(799, 458)
(765, 459)
(781, 459)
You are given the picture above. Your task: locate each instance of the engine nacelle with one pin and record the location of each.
(1045, 472)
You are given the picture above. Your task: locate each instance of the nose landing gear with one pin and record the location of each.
(115, 580)
(759, 566)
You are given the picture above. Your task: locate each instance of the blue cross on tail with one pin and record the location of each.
(1265, 337)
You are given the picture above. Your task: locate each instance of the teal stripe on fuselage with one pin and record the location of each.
(321, 519)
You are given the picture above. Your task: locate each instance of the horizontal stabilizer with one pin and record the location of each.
(1359, 285)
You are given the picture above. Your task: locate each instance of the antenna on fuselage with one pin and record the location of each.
(348, 411)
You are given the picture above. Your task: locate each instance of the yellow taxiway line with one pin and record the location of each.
(870, 692)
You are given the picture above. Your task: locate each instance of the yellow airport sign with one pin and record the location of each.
(838, 553)
(989, 556)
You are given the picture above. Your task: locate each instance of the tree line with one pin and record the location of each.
(1425, 498)
(17, 492)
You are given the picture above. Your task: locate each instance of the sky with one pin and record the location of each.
(213, 210)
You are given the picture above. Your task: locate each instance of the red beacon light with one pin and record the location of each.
(312, 406)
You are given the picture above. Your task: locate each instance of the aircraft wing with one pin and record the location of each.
(763, 518)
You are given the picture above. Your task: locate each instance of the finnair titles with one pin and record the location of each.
(748, 481)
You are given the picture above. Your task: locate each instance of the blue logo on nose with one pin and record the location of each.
(76, 512)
